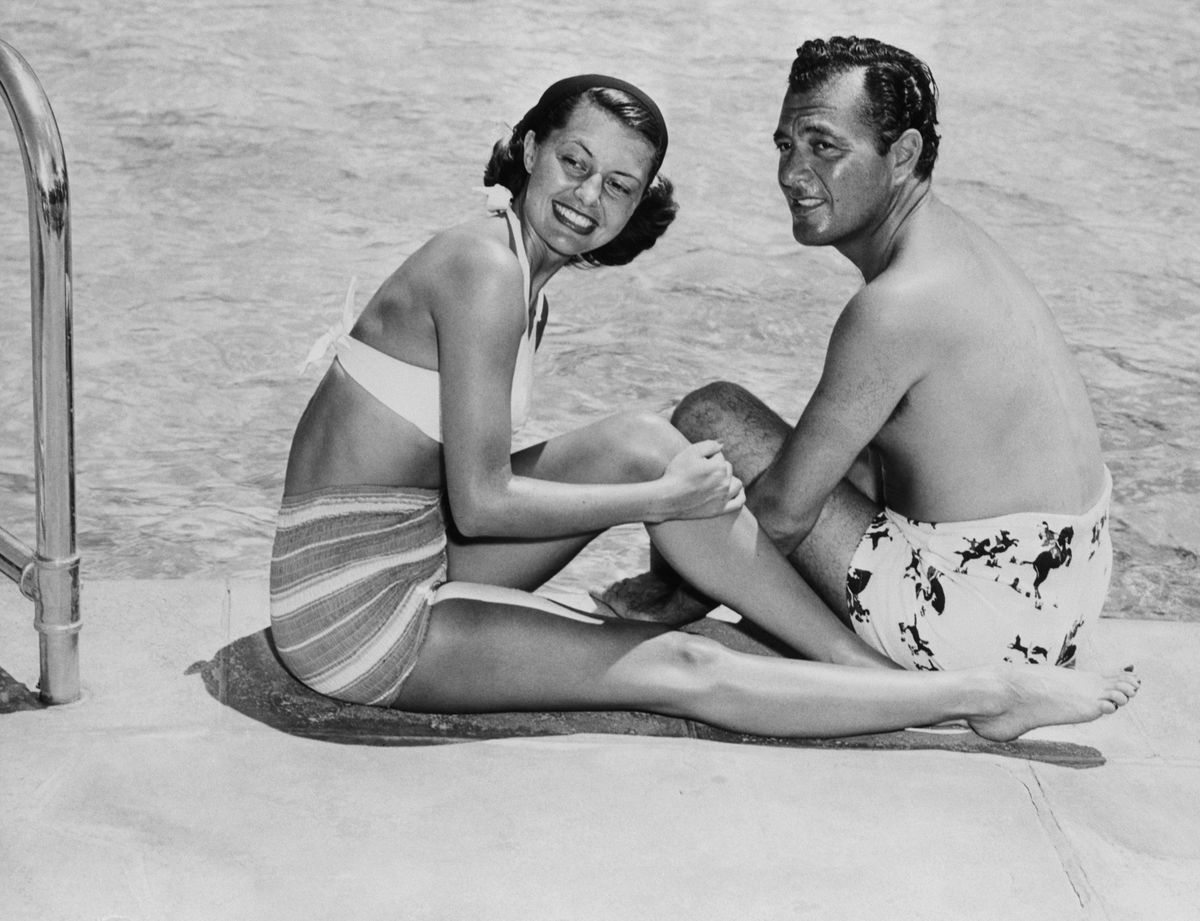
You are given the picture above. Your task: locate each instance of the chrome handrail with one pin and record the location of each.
(50, 576)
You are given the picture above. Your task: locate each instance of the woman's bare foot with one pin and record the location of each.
(649, 597)
(1028, 696)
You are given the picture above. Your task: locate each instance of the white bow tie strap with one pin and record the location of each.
(341, 328)
(499, 197)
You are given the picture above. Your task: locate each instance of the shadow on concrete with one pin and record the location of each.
(15, 697)
(248, 676)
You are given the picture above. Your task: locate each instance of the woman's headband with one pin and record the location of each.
(574, 86)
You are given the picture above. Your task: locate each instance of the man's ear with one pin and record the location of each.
(906, 151)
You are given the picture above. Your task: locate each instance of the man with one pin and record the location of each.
(943, 490)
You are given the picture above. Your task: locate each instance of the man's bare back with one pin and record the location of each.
(998, 419)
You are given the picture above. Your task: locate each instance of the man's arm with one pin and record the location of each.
(876, 354)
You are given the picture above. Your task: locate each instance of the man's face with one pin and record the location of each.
(836, 184)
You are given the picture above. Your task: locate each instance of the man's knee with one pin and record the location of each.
(700, 414)
(751, 432)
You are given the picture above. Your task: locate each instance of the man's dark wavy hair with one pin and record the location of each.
(656, 210)
(899, 89)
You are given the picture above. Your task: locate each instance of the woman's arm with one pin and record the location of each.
(480, 316)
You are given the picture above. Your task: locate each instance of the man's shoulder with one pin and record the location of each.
(938, 275)
(898, 300)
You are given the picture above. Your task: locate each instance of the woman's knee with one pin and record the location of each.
(642, 444)
(688, 669)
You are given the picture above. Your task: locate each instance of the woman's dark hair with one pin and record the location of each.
(653, 214)
(899, 88)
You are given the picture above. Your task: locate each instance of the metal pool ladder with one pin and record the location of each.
(49, 577)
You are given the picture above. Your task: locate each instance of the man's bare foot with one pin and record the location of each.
(1028, 696)
(649, 597)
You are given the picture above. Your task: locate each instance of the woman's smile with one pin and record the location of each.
(581, 223)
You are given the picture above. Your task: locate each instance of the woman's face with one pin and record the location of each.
(585, 179)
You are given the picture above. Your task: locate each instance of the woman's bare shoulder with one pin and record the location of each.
(463, 267)
(477, 247)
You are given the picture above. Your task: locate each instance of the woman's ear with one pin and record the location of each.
(529, 149)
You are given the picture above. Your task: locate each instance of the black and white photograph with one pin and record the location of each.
(713, 461)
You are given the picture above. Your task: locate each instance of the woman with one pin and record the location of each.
(402, 476)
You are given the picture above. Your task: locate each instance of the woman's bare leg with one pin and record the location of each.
(481, 657)
(726, 557)
(753, 434)
(732, 561)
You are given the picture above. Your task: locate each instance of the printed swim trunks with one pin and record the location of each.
(1015, 588)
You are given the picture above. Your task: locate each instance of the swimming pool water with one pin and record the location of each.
(232, 164)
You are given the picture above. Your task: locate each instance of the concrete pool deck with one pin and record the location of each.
(151, 799)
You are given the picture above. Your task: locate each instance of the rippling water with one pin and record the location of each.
(233, 163)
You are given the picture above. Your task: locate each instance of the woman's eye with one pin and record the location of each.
(618, 188)
(572, 163)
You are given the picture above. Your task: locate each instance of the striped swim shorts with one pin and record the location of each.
(353, 572)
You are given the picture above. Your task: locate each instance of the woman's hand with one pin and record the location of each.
(701, 483)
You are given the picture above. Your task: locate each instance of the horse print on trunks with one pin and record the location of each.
(856, 582)
(985, 550)
(1056, 553)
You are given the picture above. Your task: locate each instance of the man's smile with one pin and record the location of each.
(804, 203)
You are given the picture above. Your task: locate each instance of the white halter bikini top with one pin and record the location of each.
(413, 392)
